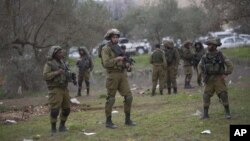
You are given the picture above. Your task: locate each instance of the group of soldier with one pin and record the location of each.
(212, 65)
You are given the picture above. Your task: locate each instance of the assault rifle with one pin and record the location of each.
(70, 76)
(127, 59)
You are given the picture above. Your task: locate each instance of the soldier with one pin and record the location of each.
(85, 66)
(172, 58)
(187, 57)
(214, 66)
(158, 60)
(57, 75)
(199, 52)
(116, 78)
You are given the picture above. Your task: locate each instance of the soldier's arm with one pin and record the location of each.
(177, 55)
(108, 62)
(229, 65)
(187, 54)
(91, 64)
(48, 74)
(200, 65)
(164, 59)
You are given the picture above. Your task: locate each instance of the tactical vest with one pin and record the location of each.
(59, 80)
(157, 57)
(84, 63)
(214, 64)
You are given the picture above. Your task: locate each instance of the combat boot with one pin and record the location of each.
(175, 90)
(161, 92)
(205, 114)
(53, 128)
(128, 121)
(169, 90)
(227, 112)
(153, 92)
(62, 127)
(110, 124)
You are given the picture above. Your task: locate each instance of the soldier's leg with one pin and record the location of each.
(112, 86)
(80, 79)
(55, 101)
(154, 80)
(124, 90)
(169, 80)
(173, 75)
(65, 110)
(87, 82)
(208, 93)
(161, 79)
(221, 90)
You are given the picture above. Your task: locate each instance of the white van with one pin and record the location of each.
(221, 34)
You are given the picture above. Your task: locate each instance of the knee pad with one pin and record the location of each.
(65, 112)
(128, 99)
(224, 97)
(110, 100)
(206, 99)
(54, 113)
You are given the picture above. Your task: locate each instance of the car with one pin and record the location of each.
(129, 46)
(73, 53)
(142, 47)
(245, 36)
(233, 41)
(221, 34)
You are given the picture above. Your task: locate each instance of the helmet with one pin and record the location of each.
(111, 32)
(214, 41)
(187, 42)
(198, 43)
(168, 43)
(53, 50)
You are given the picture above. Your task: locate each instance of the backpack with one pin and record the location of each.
(99, 50)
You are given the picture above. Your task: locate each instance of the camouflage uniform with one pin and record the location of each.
(57, 85)
(187, 57)
(214, 66)
(172, 58)
(158, 60)
(199, 52)
(85, 66)
(116, 80)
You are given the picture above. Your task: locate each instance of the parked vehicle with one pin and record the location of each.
(233, 41)
(221, 34)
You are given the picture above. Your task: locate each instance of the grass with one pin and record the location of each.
(240, 52)
(167, 117)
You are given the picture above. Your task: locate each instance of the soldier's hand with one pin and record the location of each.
(120, 58)
(60, 71)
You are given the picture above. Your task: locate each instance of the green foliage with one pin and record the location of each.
(239, 52)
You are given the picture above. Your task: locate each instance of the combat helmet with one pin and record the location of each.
(111, 32)
(168, 43)
(214, 41)
(53, 50)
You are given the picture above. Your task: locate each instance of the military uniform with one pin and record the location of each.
(85, 66)
(116, 81)
(214, 66)
(172, 58)
(187, 57)
(199, 52)
(58, 92)
(158, 60)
